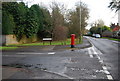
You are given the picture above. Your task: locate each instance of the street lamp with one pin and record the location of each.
(80, 24)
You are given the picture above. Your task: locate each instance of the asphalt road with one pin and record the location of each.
(97, 62)
(109, 53)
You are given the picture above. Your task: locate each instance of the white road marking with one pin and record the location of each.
(30, 53)
(51, 53)
(116, 42)
(90, 53)
(63, 71)
(14, 55)
(109, 77)
(105, 71)
(104, 68)
(94, 52)
(97, 52)
(61, 74)
(101, 61)
(33, 53)
(98, 57)
(22, 54)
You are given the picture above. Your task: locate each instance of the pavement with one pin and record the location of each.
(85, 44)
(37, 48)
(85, 61)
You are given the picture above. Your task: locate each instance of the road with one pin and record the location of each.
(43, 62)
(109, 53)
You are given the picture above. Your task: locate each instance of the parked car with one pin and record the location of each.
(93, 35)
(97, 36)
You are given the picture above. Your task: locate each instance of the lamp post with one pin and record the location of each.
(119, 17)
(80, 25)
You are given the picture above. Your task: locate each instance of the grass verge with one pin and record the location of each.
(66, 42)
(111, 38)
(8, 48)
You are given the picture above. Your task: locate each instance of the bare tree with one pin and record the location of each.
(98, 23)
(74, 19)
(114, 5)
(59, 31)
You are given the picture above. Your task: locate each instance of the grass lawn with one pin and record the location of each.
(111, 38)
(7, 48)
(67, 42)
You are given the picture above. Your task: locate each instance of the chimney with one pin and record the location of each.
(117, 24)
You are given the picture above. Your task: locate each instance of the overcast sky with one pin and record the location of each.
(98, 9)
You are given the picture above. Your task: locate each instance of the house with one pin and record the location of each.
(115, 27)
(115, 30)
(112, 26)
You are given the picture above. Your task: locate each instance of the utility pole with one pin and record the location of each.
(119, 17)
(101, 31)
(80, 33)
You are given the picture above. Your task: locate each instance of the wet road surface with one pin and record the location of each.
(109, 54)
(37, 63)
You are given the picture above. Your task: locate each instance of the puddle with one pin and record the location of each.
(28, 66)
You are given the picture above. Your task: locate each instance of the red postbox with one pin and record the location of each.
(72, 40)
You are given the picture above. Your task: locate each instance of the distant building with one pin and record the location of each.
(115, 30)
(112, 26)
(115, 27)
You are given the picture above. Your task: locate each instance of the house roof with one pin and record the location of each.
(112, 26)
